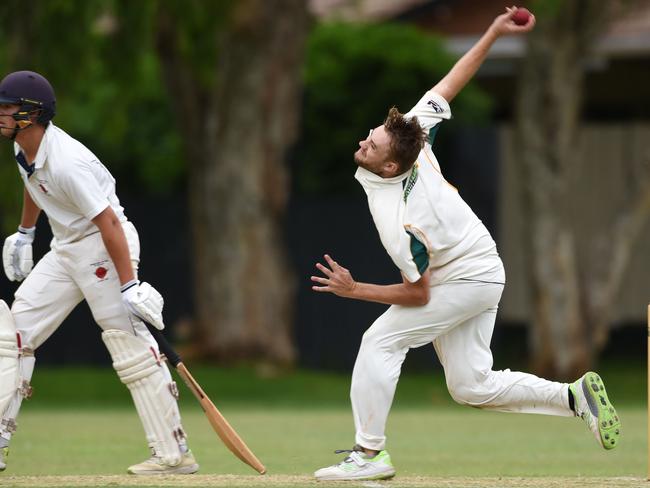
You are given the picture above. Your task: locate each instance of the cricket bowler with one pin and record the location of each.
(452, 283)
(94, 256)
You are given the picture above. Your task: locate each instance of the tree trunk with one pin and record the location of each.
(237, 131)
(572, 288)
(547, 113)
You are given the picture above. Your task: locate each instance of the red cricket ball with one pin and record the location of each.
(521, 16)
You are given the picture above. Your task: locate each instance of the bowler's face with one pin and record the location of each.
(374, 150)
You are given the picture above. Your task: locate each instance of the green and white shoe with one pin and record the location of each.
(4, 452)
(358, 466)
(593, 406)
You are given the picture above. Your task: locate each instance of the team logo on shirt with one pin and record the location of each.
(41, 185)
(100, 270)
(408, 186)
(437, 108)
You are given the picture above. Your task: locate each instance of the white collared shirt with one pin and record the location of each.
(422, 221)
(70, 185)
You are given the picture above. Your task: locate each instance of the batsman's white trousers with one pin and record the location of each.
(65, 276)
(459, 320)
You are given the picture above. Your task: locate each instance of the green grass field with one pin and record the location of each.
(87, 435)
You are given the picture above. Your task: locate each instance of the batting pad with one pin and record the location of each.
(8, 357)
(141, 370)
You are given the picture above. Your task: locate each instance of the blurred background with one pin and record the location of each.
(230, 128)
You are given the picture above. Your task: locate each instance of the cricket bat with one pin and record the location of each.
(218, 422)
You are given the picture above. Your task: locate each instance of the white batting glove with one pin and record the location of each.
(17, 254)
(143, 302)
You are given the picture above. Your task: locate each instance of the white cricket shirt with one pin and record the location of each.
(422, 221)
(69, 183)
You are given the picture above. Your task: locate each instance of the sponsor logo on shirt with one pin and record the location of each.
(436, 108)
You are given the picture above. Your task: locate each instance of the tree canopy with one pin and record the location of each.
(353, 74)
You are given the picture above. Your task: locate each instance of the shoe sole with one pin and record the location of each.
(175, 470)
(609, 423)
(382, 476)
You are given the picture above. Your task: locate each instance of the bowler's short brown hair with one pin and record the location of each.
(406, 138)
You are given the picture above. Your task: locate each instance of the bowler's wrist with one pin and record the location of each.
(493, 33)
(352, 290)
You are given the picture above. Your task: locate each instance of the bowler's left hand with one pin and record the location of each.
(338, 279)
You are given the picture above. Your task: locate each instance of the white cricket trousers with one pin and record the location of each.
(459, 320)
(64, 277)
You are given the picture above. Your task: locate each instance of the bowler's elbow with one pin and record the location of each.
(422, 297)
(421, 291)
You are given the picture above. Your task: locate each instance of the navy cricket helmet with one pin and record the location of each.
(32, 92)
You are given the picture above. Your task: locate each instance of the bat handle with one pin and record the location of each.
(165, 347)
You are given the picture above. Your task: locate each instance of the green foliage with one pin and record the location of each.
(353, 75)
(99, 57)
(52, 37)
(198, 25)
(129, 125)
(11, 190)
(125, 115)
(547, 8)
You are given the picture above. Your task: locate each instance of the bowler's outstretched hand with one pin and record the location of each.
(337, 280)
(503, 25)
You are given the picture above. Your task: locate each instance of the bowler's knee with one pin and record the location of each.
(372, 363)
(370, 340)
(473, 392)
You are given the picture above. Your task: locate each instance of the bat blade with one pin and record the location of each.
(224, 430)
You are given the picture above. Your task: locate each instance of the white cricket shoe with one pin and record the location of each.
(358, 466)
(154, 465)
(593, 406)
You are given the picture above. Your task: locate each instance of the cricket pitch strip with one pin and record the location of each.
(306, 481)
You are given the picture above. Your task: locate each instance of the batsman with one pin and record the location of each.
(94, 256)
(452, 283)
